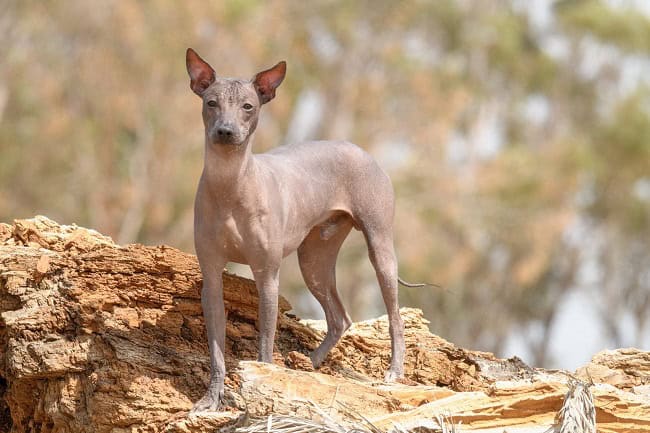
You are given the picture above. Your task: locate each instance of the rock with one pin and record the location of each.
(98, 337)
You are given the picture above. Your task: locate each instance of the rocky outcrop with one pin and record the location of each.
(97, 337)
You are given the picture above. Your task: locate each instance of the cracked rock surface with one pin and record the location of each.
(98, 337)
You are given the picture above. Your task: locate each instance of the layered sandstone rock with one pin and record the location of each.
(97, 337)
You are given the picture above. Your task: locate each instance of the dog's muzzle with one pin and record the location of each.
(225, 135)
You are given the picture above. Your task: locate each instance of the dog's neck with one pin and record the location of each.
(226, 166)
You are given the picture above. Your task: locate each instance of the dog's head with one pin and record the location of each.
(231, 106)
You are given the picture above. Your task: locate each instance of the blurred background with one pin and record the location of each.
(517, 135)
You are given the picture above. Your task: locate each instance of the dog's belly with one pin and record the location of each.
(328, 224)
(236, 247)
(292, 242)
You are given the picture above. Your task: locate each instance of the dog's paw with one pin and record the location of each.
(317, 357)
(212, 401)
(392, 376)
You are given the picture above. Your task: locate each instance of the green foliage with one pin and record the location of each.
(236, 10)
(628, 29)
(514, 51)
(622, 157)
(99, 123)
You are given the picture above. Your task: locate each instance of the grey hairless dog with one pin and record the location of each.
(256, 209)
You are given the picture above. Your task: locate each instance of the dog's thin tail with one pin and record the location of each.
(407, 284)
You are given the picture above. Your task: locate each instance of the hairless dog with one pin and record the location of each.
(256, 209)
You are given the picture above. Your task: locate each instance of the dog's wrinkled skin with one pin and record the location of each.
(256, 209)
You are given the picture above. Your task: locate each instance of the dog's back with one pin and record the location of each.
(337, 175)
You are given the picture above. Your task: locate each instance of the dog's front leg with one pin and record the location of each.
(214, 314)
(215, 324)
(267, 281)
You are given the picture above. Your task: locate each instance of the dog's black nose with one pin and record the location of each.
(224, 131)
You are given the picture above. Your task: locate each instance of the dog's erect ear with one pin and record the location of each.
(267, 81)
(201, 74)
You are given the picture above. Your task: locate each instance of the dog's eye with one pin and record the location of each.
(212, 103)
(247, 107)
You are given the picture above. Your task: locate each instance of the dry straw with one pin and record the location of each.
(578, 413)
(323, 423)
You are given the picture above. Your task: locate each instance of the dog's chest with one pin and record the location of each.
(232, 241)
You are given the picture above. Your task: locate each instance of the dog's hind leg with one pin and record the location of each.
(382, 256)
(317, 258)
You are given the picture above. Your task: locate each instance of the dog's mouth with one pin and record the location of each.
(226, 139)
(227, 142)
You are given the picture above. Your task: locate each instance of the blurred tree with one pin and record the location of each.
(504, 133)
(617, 166)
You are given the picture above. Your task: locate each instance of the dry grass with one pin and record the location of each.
(578, 414)
(321, 422)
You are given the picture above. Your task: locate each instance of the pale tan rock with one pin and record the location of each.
(97, 337)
